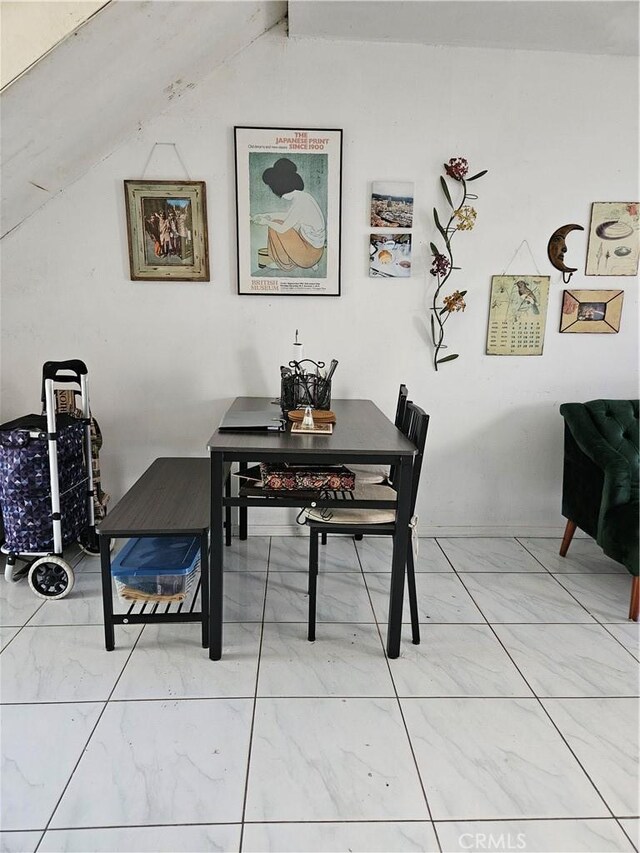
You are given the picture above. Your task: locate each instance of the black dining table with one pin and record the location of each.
(362, 434)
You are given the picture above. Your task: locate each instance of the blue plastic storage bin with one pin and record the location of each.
(157, 568)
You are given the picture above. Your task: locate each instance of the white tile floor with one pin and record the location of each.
(513, 726)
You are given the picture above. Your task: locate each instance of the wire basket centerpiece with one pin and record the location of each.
(305, 383)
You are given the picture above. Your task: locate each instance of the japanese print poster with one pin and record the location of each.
(517, 314)
(288, 188)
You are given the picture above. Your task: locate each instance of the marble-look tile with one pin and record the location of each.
(571, 660)
(375, 554)
(161, 763)
(455, 660)
(6, 635)
(169, 662)
(244, 596)
(90, 563)
(628, 635)
(18, 603)
(83, 606)
(523, 598)
(63, 664)
(496, 758)
(584, 556)
(19, 842)
(345, 660)
(40, 747)
(157, 839)
(542, 836)
(603, 733)
(441, 598)
(632, 827)
(490, 554)
(249, 555)
(334, 759)
(291, 554)
(376, 837)
(341, 597)
(606, 597)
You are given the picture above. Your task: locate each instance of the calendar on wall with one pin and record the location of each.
(517, 314)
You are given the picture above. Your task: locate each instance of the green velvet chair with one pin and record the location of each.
(600, 482)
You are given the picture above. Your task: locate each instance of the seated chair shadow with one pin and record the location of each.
(600, 480)
(374, 522)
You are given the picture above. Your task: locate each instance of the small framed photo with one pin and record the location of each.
(392, 204)
(614, 238)
(591, 311)
(288, 207)
(390, 255)
(167, 230)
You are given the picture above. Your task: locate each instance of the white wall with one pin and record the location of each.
(556, 132)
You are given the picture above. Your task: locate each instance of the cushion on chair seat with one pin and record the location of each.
(351, 515)
(370, 474)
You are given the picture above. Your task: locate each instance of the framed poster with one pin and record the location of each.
(517, 314)
(591, 311)
(614, 238)
(288, 207)
(167, 230)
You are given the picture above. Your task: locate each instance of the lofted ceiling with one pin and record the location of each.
(94, 88)
(572, 26)
(121, 68)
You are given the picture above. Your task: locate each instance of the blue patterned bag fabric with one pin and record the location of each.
(25, 483)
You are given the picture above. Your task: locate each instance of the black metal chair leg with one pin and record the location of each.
(324, 538)
(413, 597)
(313, 583)
(227, 512)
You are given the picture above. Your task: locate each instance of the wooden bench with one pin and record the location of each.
(171, 498)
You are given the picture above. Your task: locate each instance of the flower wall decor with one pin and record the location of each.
(462, 218)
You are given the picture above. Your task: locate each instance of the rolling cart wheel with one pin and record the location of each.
(89, 543)
(89, 548)
(14, 573)
(51, 577)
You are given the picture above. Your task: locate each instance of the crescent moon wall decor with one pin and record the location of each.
(557, 249)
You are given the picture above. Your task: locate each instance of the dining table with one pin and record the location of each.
(362, 434)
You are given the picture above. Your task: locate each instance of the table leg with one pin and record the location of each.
(216, 563)
(399, 560)
(204, 586)
(227, 511)
(107, 592)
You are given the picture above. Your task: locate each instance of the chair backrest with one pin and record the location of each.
(403, 395)
(414, 426)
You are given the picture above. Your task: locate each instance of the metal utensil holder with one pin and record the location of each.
(300, 387)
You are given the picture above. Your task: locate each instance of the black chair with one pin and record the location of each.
(371, 522)
(381, 474)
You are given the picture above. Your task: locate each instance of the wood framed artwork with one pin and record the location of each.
(288, 208)
(591, 311)
(517, 314)
(167, 230)
(614, 238)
